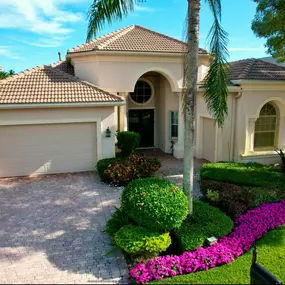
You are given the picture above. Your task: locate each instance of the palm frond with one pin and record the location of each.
(216, 89)
(105, 11)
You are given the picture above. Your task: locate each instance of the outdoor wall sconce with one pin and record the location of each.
(108, 133)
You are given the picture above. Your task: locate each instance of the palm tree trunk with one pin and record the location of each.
(190, 104)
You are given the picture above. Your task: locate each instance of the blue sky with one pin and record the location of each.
(33, 31)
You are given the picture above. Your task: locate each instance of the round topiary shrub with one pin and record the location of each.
(155, 203)
(139, 240)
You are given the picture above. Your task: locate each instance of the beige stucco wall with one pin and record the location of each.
(104, 116)
(223, 140)
(119, 73)
(248, 107)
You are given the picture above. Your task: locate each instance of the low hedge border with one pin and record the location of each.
(249, 227)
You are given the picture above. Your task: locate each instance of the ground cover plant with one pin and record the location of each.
(249, 227)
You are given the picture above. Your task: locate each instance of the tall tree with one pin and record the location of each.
(105, 11)
(268, 23)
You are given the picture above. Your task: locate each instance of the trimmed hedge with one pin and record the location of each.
(244, 174)
(102, 165)
(139, 240)
(128, 142)
(155, 203)
(206, 221)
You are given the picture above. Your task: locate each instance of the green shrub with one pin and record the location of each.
(206, 221)
(139, 240)
(213, 196)
(102, 165)
(133, 167)
(155, 203)
(282, 160)
(244, 174)
(117, 221)
(128, 142)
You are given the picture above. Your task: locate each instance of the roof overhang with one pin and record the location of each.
(61, 105)
(260, 84)
(134, 53)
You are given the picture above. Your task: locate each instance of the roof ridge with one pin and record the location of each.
(21, 74)
(160, 34)
(97, 39)
(117, 36)
(247, 68)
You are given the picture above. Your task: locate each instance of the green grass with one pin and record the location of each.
(249, 174)
(271, 255)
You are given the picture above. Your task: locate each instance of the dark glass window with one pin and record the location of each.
(142, 92)
(174, 124)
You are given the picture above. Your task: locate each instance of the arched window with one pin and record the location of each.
(265, 128)
(143, 92)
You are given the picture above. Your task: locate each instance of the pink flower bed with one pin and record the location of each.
(249, 227)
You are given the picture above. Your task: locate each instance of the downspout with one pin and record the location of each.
(233, 127)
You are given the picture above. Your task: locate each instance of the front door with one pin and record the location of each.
(142, 122)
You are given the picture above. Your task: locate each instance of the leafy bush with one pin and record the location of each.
(282, 163)
(155, 203)
(128, 142)
(244, 174)
(206, 221)
(117, 221)
(249, 227)
(133, 167)
(139, 240)
(235, 200)
(213, 196)
(102, 165)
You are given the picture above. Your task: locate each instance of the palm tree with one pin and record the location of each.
(105, 11)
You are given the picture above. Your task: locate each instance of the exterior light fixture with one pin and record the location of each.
(108, 133)
(211, 240)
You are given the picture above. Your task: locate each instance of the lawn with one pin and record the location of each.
(271, 255)
(249, 174)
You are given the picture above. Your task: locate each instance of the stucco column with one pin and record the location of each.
(179, 145)
(124, 112)
(250, 135)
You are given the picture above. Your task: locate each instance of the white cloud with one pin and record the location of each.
(47, 42)
(6, 52)
(38, 16)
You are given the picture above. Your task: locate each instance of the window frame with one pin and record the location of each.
(276, 131)
(151, 96)
(170, 124)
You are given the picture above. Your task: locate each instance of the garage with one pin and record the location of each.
(47, 149)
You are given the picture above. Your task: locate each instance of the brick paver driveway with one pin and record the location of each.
(51, 231)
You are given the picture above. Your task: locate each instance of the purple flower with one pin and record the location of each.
(249, 227)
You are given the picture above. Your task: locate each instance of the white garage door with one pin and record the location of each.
(51, 148)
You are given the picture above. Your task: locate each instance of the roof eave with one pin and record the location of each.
(61, 105)
(114, 52)
(257, 81)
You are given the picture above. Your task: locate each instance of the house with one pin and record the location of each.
(54, 118)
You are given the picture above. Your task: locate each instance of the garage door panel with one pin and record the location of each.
(54, 148)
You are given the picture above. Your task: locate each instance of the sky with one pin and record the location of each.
(32, 32)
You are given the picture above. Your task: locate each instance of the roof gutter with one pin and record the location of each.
(144, 53)
(61, 105)
(252, 81)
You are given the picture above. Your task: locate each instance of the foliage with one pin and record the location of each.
(249, 227)
(271, 251)
(117, 221)
(133, 167)
(4, 74)
(213, 196)
(102, 165)
(268, 23)
(155, 203)
(139, 240)
(206, 221)
(248, 174)
(128, 142)
(282, 163)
